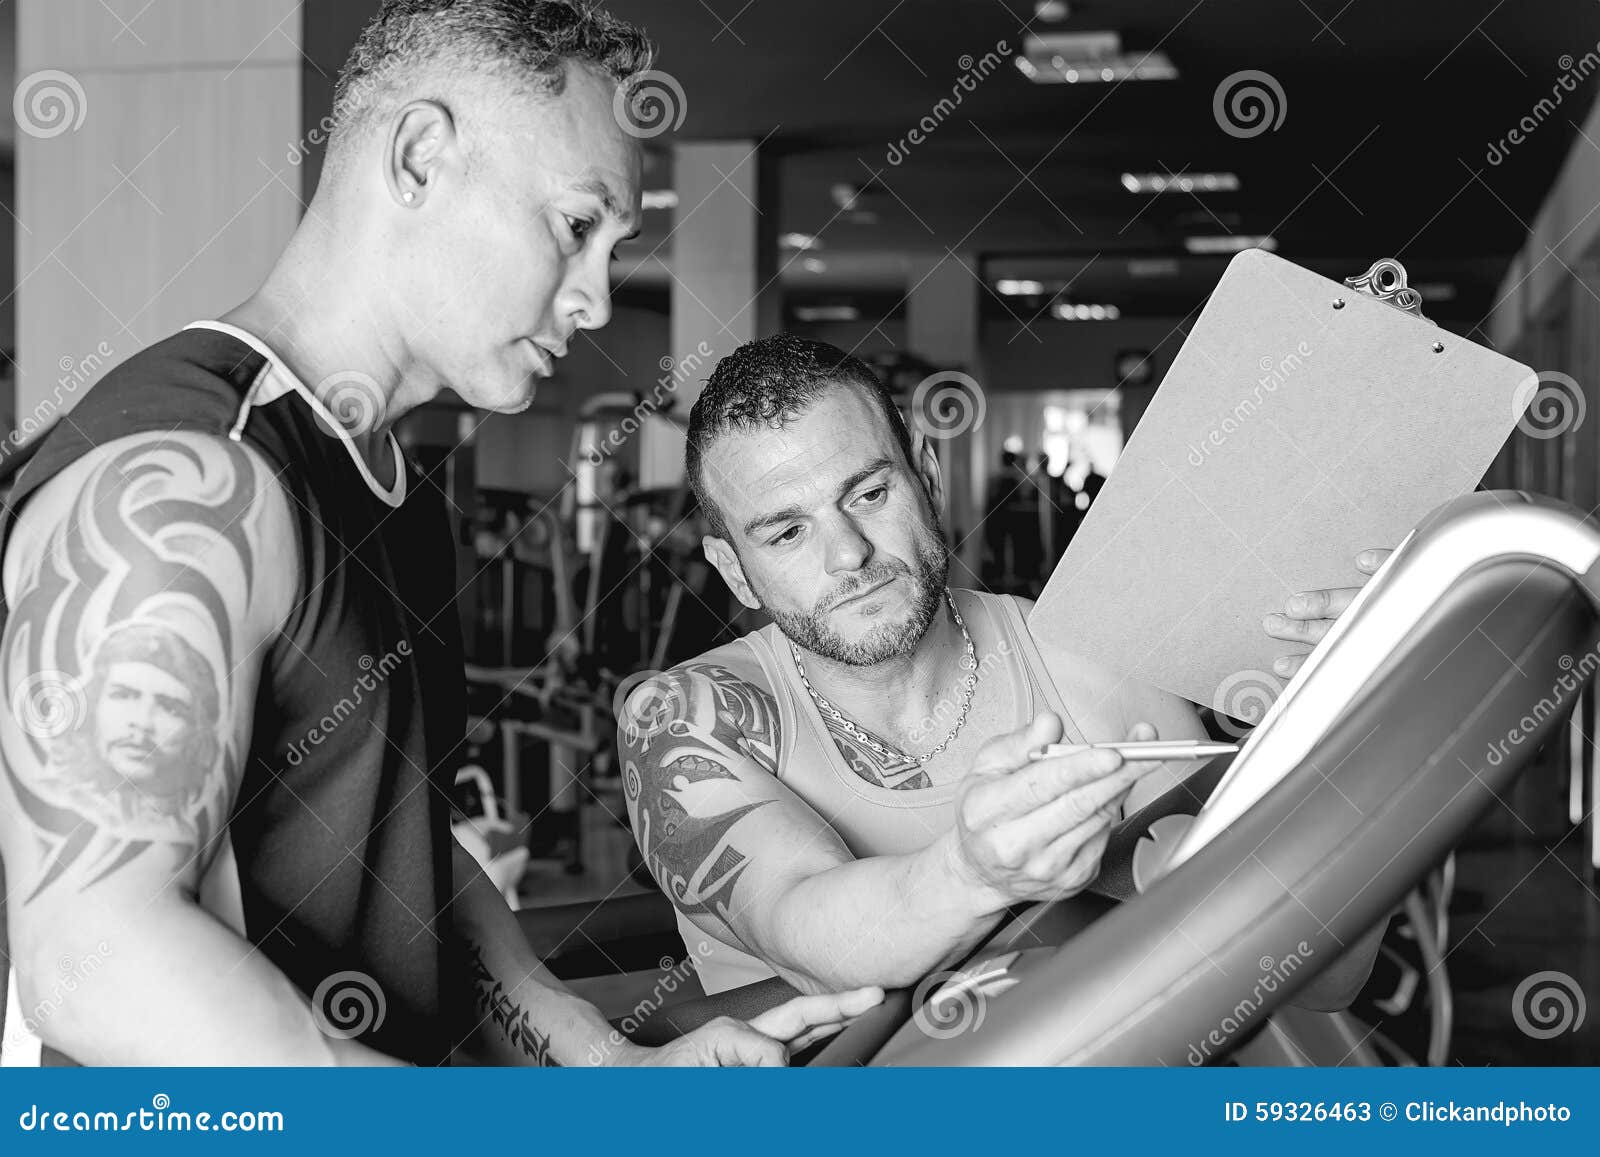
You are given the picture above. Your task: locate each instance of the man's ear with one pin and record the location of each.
(720, 554)
(925, 461)
(421, 138)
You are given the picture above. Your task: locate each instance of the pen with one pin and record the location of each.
(1156, 749)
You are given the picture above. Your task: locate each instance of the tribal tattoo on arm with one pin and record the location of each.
(123, 657)
(680, 735)
(493, 1001)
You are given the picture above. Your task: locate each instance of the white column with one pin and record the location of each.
(152, 185)
(724, 277)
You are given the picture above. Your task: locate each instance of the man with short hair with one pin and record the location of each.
(238, 484)
(826, 798)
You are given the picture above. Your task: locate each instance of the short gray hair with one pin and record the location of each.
(526, 41)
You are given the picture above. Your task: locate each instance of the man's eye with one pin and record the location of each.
(581, 227)
(787, 536)
(874, 496)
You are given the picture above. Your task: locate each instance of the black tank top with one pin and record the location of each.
(342, 846)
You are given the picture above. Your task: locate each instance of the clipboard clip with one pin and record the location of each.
(1386, 280)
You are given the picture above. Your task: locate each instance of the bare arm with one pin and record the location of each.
(523, 1015)
(750, 862)
(143, 582)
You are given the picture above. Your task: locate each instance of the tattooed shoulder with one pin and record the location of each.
(135, 582)
(688, 738)
(702, 699)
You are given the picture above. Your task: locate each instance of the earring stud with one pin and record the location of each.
(408, 196)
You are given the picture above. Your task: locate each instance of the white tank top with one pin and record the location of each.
(872, 820)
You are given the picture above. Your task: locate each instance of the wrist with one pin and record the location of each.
(957, 879)
(618, 1052)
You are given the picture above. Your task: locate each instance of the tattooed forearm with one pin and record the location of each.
(678, 736)
(492, 1000)
(120, 654)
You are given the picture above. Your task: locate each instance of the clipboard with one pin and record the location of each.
(1302, 421)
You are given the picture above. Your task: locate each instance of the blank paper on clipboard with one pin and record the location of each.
(1288, 435)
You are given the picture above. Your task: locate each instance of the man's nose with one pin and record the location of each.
(847, 548)
(589, 297)
(143, 715)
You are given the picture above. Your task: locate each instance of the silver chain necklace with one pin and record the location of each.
(969, 683)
